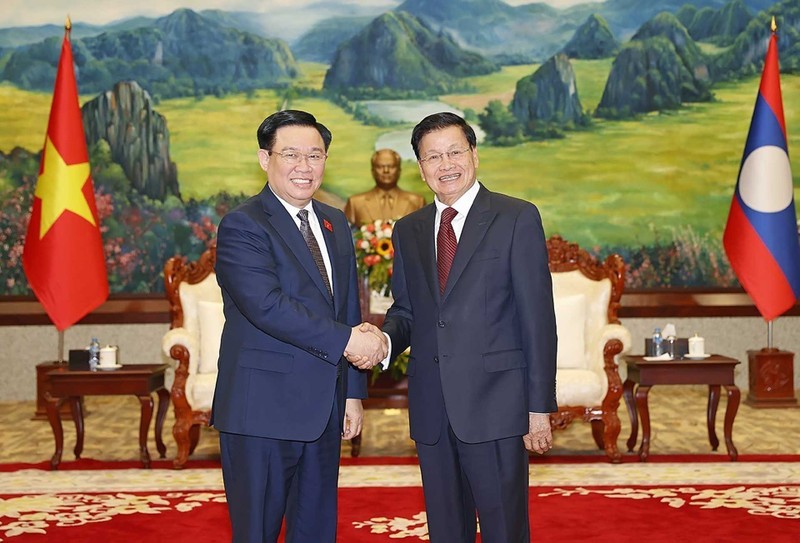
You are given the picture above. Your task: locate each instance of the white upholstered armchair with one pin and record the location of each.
(195, 303)
(590, 340)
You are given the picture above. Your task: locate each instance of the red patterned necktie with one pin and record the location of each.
(446, 246)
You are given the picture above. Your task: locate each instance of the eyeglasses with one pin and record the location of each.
(436, 158)
(294, 157)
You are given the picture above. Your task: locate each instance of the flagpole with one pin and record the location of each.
(60, 346)
(769, 336)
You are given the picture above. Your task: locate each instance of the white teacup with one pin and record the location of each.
(108, 356)
(697, 346)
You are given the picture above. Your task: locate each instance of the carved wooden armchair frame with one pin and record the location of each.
(187, 420)
(564, 257)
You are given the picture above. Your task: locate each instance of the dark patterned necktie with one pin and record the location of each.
(313, 246)
(446, 246)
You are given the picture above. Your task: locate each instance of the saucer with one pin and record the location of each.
(696, 356)
(108, 368)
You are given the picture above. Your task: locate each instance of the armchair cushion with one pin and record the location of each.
(571, 323)
(579, 387)
(211, 320)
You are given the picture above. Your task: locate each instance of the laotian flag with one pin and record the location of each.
(761, 237)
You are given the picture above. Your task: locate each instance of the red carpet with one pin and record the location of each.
(89, 501)
(655, 515)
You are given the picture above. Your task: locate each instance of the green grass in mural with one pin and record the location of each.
(625, 182)
(23, 118)
(213, 141)
(312, 75)
(590, 75)
(222, 154)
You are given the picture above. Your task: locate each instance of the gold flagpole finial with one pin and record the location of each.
(774, 26)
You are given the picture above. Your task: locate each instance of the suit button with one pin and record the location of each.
(441, 324)
(436, 359)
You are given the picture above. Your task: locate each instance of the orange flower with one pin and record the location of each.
(371, 260)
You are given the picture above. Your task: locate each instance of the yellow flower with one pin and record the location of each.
(385, 248)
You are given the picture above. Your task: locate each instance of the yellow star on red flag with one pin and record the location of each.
(60, 188)
(63, 257)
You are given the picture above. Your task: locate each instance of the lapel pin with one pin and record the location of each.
(327, 224)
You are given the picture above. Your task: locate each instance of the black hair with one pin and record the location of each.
(440, 121)
(289, 117)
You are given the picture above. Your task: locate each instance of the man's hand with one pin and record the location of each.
(367, 346)
(353, 418)
(539, 437)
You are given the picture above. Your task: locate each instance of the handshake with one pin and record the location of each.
(367, 346)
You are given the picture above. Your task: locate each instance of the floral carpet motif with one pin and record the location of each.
(383, 503)
(779, 502)
(36, 513)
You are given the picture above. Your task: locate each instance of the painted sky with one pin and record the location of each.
(37, 12)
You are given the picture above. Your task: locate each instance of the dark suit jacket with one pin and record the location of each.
(283, 340)
(486, 349)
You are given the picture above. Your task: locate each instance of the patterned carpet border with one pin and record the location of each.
(31, 481)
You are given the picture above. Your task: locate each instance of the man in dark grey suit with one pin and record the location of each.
(473, 299)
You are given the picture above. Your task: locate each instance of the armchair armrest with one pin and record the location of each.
(186, 339)
(616, 331)
(601, 338)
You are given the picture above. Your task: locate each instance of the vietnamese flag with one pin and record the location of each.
(761, 237)
(63, 255)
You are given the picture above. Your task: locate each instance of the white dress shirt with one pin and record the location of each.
(462, 205)
(316, 229)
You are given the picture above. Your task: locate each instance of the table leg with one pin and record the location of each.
(163, 403)
(644, 414)
(730, 415)
(713, 403)
(144, 425)
(53, 407)
(627, 393)
(76, 407)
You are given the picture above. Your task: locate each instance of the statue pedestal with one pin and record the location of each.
(771, 378)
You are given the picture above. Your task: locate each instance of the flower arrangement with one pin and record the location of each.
(374, 254)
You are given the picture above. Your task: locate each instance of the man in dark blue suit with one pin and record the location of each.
(285, 396)
(473, 299)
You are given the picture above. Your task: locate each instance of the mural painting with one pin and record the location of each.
(623, 120)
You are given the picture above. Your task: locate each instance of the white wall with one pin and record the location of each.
(23, 347)
(729, 336)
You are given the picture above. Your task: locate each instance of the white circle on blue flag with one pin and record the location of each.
(765, 181)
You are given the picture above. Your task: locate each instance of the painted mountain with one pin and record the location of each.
(660, 68)
(505, 33)
(182, 54)
(592, 40)
(398, 52)
(320, 43)
(746, 55)
(719, 26)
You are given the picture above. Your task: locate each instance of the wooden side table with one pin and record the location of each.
(43, 386)
(141, 380)
(714, 371)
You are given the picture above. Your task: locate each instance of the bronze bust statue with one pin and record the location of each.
(386, 200)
